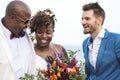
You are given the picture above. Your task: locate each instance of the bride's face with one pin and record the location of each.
(44, 35)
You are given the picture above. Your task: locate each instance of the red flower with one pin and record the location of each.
(72, 63)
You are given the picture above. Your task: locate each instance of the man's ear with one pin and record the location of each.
(100, 20)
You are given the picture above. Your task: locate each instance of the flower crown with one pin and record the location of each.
(50, 14)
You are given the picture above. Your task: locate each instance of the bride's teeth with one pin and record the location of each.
(44, 41)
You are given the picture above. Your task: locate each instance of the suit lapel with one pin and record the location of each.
(7, 51)
(86, 50)
(101, 50)
(87, 57)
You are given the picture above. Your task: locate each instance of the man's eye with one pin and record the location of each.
(87, 18)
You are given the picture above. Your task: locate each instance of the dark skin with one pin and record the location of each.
(16, 14)
(43, 24)
(44, 53)
(43, 47)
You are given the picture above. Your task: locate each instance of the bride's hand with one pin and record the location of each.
(49, 59)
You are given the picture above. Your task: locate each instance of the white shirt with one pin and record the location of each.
(94, 47)
(22, 53)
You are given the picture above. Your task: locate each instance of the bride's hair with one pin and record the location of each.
(42, 18)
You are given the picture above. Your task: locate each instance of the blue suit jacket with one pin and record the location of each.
(108, 59)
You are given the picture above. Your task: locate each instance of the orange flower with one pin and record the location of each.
(71, 70)
(53, 77)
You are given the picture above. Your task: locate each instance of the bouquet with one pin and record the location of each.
(60, 68)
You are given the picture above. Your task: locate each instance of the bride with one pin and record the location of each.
(43, 23)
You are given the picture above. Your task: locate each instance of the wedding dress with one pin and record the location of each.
(38, 63)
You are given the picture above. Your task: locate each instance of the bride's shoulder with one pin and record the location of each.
(57, 46)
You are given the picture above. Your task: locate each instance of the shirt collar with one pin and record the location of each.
(101, 34)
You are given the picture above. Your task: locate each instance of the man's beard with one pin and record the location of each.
(22, 33)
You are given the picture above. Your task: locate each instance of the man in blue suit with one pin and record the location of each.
(102, 48)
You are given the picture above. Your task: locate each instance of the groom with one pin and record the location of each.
(16, 49)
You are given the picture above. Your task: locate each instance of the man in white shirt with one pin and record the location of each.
(16, 49)
(102, 48)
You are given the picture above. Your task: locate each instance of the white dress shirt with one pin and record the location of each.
(94, 47)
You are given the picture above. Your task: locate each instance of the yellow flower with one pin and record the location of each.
(58, 74)
(54, 63)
